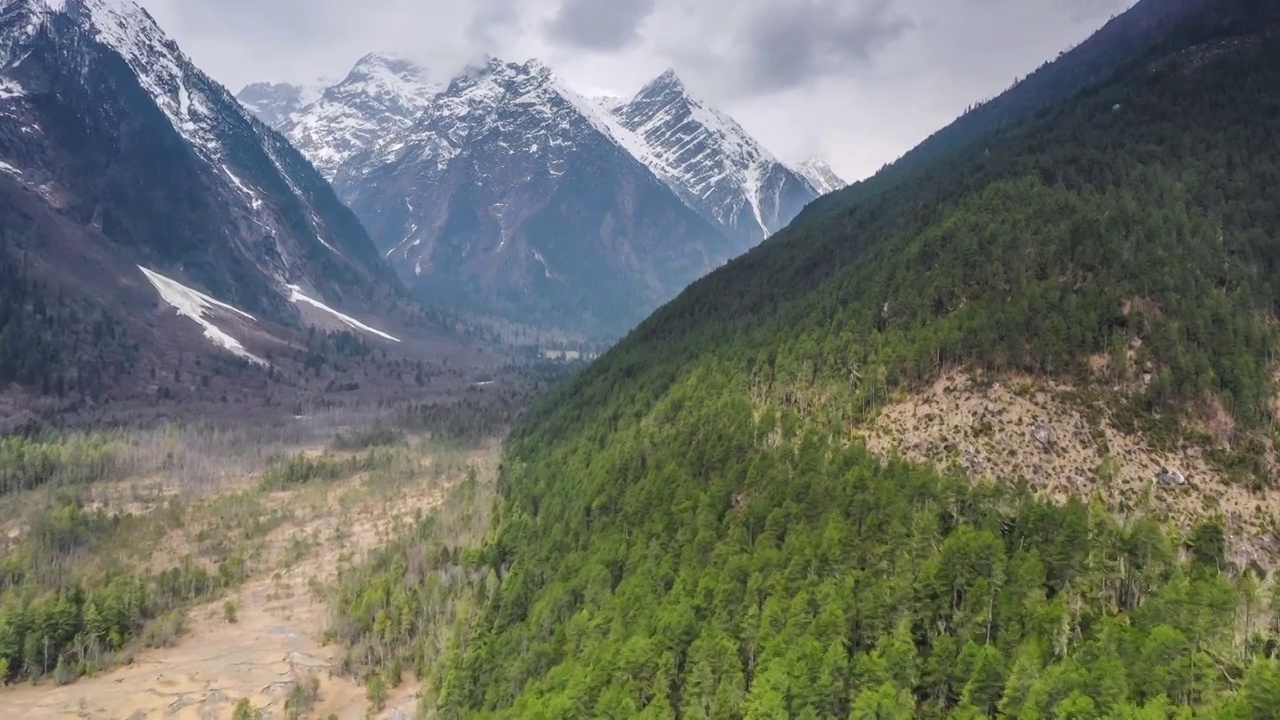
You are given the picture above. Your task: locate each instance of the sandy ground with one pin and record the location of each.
(273, 645)
(277, 640)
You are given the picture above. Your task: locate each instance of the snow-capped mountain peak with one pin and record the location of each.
(667, 81)
(820, 175)
(380, 97)
(608, 103)
(710, 160)
(377, 61)
(482, 193)
(534, 66)
(484, 96)
(396, 82)
(200, 110)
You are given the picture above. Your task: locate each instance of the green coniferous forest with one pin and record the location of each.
(690, 530)
(53, 343)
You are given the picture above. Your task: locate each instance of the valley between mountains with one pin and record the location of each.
(472, 395)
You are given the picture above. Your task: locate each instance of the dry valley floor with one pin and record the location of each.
(277, 640)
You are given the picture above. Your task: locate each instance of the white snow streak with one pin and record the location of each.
(195, 305)
(543, 261)
(254, 201)
(296, 296)
(316, 225)
(413, 228)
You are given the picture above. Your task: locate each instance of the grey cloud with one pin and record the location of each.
(802, 75)
(490, 19)
(795, 43)
(1086, 10)
(600, 25)
(289, 21)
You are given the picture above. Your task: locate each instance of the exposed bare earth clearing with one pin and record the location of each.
(282, 613)
(990, 432)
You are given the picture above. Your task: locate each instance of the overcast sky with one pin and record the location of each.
(858, 82)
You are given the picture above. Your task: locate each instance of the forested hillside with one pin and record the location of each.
(691, 530)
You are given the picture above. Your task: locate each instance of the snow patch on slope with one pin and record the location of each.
(296, 296)
(195, 305)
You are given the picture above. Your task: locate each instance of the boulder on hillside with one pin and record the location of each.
(1170, 478)
(1044, 435)
(974, 464)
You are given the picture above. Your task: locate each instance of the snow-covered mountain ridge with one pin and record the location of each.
(378, 99)
(509, 192)
(710, 160)
(275, 102)
(704, 155)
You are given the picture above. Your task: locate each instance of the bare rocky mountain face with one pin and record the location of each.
(506, 194)
(147, 219)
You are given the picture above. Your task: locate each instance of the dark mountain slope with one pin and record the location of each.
(1120, 42)
(166, 148)
(689, 528)
(118, 154)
